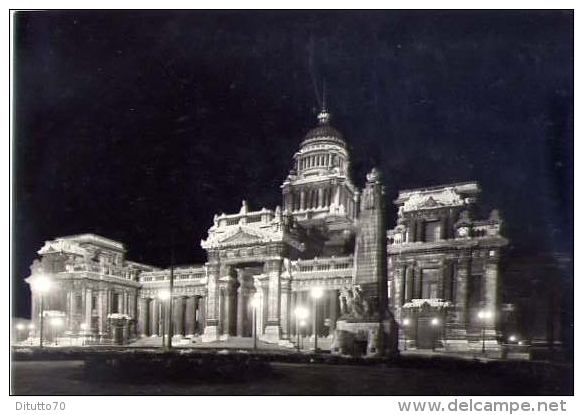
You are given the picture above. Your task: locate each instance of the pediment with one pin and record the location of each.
(430, 202)
(241, 237)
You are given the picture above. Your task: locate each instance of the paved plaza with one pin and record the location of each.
(67, 378)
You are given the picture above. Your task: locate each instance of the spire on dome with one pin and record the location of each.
(324, 115)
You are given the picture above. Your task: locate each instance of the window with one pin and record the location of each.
(432, 231)
(429, 283)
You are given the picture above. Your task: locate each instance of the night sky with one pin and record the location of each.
(139, 125)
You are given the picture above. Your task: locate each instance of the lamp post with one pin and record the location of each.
(406, 323)
(434, 324)
(301, 314)
(255, 303)
(55, 324)
(302, 325)
(42, 284)
(83, 327)
(316, 295)
(163, 296)
(484, 315)
(30, 329)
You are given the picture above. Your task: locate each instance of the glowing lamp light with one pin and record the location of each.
(31, 326)
(256, 301)
(164, 295)
(434, 321)
(83, 326)
(301, 313)
(56, 322)
(485, 315)
(512, 338)
(42, 283)
(406, 322)
(317, 292)
(20, 326)
(302, 323)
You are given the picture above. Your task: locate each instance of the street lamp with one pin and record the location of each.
(406, 323)
(42, 284)
(302, 325)
(83, 327)
(317, 293)
(163, 296)
(512, 338)
(484, 315)
(55, 324)
(30, 329)
(255, 303)
(301, 314)
(434, 324)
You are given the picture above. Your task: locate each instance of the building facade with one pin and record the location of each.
(445, 278)
(328, 234)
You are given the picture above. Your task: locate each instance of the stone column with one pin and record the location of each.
(69, 320)
(34, 312)
(241, 304)
(262, 309)
(103, 311)
(131, 306)
(409, 283)
(320, 197)
(211, 330)
(272, 269)
(143, 323)
(71, 310)
(302, 199)
(461, 295)
(222, 316)
(190, 315)
(201, 311)
(306, 303)
(178, 317)
(490, 290)
(231, 303)
(293, 306)
(155, 317)
(88, 309)
(285, 307)
(120, 302)
(398, 290)
(333, 298)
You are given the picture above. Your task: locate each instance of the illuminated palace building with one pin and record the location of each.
(435, 273)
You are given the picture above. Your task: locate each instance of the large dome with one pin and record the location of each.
(324, 133)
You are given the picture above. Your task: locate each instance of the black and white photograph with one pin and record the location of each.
(293, 202)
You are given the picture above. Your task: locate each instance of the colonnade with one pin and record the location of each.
(188, 316)
(88, 305)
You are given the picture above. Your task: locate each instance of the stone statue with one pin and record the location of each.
(357, 302)
(343, 306)
(366, 308)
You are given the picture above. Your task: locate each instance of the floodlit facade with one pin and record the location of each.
(328, 236)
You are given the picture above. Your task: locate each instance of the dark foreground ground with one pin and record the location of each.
(67, 377)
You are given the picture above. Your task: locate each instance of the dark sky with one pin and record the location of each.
(130, 124)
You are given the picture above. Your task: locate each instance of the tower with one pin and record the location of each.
(318, 190)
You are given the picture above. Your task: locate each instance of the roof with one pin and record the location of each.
(324, 132)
